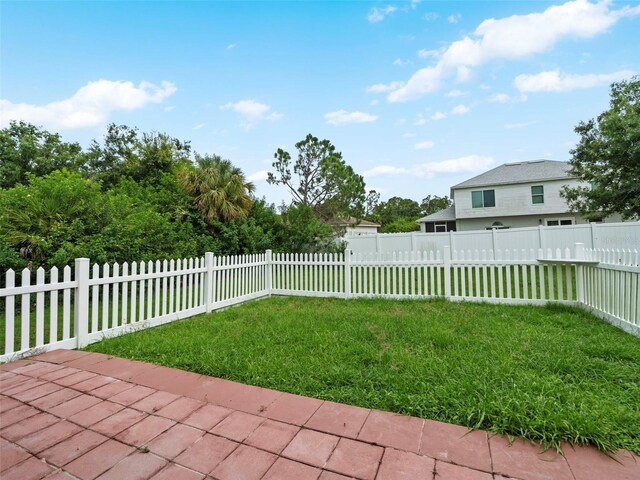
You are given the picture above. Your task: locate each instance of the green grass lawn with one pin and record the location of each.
(550, 374)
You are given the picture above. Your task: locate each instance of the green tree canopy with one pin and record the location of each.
(220, 190)
(607, 158)
(26, 149)
(396, 208)
(432, 204)
(320, 179)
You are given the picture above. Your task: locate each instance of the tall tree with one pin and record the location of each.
(396, 208)
(26, 149)
(607, 158)
(319, 178)
(220, 190)
(434, 204)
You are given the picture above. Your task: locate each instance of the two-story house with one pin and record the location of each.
(521, 194)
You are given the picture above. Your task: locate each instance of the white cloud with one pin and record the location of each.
(438, 116)
(423, 145)
(200, 126)
(424, 53)
(231, 46)
(414, 3)
(168, 108)
(342, 117)
(554, 81)
(252, 112)
(259, 176)
(431, 16)
(374, 102)
(382, 88)
(460, 110)
(90, 106)
(455, 18)
(504, 98)
(509, 38)
(456, 93)
(408, 135)
(400, 62)
(377, 14)
(469, 163)
(420, 120)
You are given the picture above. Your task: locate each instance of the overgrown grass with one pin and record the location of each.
(549, 374)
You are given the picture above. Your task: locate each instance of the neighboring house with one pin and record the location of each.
(353, 226)
(522, 194)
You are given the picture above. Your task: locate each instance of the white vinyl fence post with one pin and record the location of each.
(579, 255)
(446, 254)
(81, 302)
(347, 273)
(269, 279)
(208, 281)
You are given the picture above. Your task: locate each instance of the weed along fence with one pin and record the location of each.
(88, 303)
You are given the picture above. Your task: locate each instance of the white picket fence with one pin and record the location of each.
(115, 299)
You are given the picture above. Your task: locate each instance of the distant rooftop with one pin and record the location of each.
(519, 172)
(448, 213)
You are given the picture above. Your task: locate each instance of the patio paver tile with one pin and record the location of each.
(180, 408)
(15, 389)
(177, 472)
(99, 460)
(237, 426)
(71, 448)
(139, 466)
(456, 444)
(86, 361)
(284, 469)
(93, 383)
(75, 405)
(392, 430)
(145, 430)
(311, 447)
(60, 356)
(154, 402)
(11, 454)
(206, 453)
(111, 389)
(449, 471)
(174, 441)
(293, 409)
(96, 413)
(399, 465)
(62, 372)
(524, 460)
(339, 419)
(132, 395)
(325, 475)
(8, 403)
(45, 438)
(56, 398)
(26, 427)
(30, 469)
(588, 463)
(207, 417)
(8, 383)
(245, 463)
(18, 414)
(118, 422)
(272, 436)
(36, 392)
(58, 475)
(251, 399)
(74, 378)
(354, 458)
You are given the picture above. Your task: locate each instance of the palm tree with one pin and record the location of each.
(220, 190)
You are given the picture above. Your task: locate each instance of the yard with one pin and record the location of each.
(550, 374)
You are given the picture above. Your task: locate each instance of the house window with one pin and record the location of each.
(441, 227)
(559, 221)
(537, 194)
(483, 198)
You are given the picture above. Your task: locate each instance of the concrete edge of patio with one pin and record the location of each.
(394, 443)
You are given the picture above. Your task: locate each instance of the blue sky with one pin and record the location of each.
(418, 96)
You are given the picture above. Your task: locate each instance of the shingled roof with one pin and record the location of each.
(448, 213)
(519, 172)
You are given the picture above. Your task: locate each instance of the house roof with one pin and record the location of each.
(448, 213)
(352, 222)
(519, 172)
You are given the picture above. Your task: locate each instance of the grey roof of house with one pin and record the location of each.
(352, 222)
(448, 213)
(519, 172)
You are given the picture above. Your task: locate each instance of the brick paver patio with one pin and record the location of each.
(70, 414)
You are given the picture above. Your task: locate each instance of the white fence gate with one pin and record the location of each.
(111, 300)
(594, 235)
